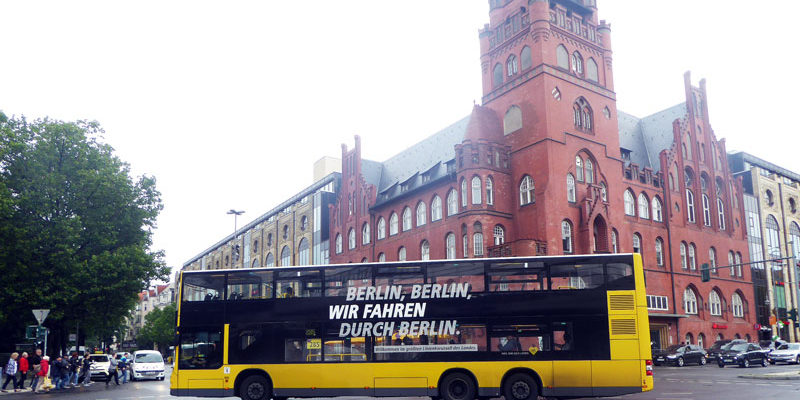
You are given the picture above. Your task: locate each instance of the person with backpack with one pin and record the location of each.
(11, 372)
(123, 369)
(74, 366)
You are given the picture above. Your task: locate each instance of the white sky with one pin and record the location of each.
(229, 103)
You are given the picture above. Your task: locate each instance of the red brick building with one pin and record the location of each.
(547, 165)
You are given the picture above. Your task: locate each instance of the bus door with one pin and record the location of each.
(200, 358)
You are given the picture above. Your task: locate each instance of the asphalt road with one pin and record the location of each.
(671, 383)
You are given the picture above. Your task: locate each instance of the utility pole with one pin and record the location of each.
(235, 228)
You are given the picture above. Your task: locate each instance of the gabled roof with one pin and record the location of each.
(647, 137)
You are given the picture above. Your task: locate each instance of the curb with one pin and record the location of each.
(773, 377)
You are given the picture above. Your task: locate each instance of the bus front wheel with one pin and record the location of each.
(457, 386)
(255, 387)
(520, 387)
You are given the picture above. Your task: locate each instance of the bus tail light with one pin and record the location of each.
(648, 367)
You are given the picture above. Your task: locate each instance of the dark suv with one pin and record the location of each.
(743, 355)
(680, 355)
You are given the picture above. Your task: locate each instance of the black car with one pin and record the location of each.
(680, 355)
(720, 345)
(743, 355)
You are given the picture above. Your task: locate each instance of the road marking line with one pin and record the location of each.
(677, 394)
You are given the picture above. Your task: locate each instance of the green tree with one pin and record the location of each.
(158, 329)
(76, 230)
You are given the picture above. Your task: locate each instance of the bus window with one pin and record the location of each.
(458, 273)
(620, 276)
(302, 343)
(248, 285)
(576, 276)
(517, 339)
(562, 337)
(201, 349)
(344, 349)
(203, 287)
(515, 277)
(303, 283)
(407, 276)
(337, 280)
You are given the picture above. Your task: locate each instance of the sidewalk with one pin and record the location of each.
(775, 376)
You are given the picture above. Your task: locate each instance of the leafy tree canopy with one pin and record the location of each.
(159, 328)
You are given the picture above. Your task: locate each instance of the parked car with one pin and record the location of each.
(770, 345)
(680, 355)
(788, 353)
(743, 355)
(100, 365)
(713, 352)
(147, 364)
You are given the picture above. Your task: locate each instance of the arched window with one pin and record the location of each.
(477, 241)
(511, 65)
(406, 219)
(365, 236)
(773, 238)
(591, 70)
(381, 228)
(381, 257)
(692, 259)
(270, 260)
(690, 205)
(644, 206)
(525, 58)
(731, 262)
(706, 211)
(712, 260)
(436, 208)
(737, 306)
(577, 63)
(512, 121)
(401, 254)
(689, 301)
(463, 193)
(286, 256)
(657, 210)
(603, 191)
(450, 246)
(589, 167)
(476, 190)
(338, 243)
(582, 115)
(422, 213)
(630, 207)
(497, 75)
(794, 238)
(714, 303)
(659, 252)
(489, 191)
(614, 246)
(570, 188)
(721, 214)
(701, 339)
(303, 253)
(684, 262)
(738, 264)
(499, 235)
(689, 338)
(465, 244)
(425, 250)
(566, 237)
(526, 191)
(637, 243)
(452, 202)
(579, 168)
(562, 57)
(768, 198)
(351, 239)
(393, 224)
(256, 263)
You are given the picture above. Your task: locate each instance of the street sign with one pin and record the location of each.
(31, 332)
(73, 337)
(40, 315)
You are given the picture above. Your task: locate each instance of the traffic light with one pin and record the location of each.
(705, 273)
(30, 332)
(793, 315)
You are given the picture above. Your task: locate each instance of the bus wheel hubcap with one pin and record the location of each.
(255, 391)
(458, 389)
(520, 390)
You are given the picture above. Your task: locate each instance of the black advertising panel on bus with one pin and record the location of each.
(543, 308)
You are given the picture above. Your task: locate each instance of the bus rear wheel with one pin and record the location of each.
(520, 387)
(457, 386)
(255, 387)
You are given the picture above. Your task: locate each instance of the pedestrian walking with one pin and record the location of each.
(123, 369)
(64, 372)
(55, 373)
(112, 370)
(86, 370)
(34, 361)
(41, 376)
(23, 370)
(11, 373)
(74, 366)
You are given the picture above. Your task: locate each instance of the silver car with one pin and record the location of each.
(788, 353)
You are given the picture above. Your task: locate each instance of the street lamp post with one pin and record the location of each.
(235, 228)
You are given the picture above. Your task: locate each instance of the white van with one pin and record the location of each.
(147, 364)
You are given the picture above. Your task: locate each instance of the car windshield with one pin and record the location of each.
(148, 358)
(101, 358)
(790, 346)
(674, 348)
(719, 345)
(739, 347)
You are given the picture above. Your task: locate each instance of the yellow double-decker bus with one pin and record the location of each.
(568, 326)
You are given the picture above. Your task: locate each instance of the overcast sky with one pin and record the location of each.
(229, 103)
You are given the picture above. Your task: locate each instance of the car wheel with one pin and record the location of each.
(721, 364)
(457, 386)
(773, 361)
(703, 361)
(520, 387)
(745, 363)
(255, 387)
(679, 362)
(764, 362)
